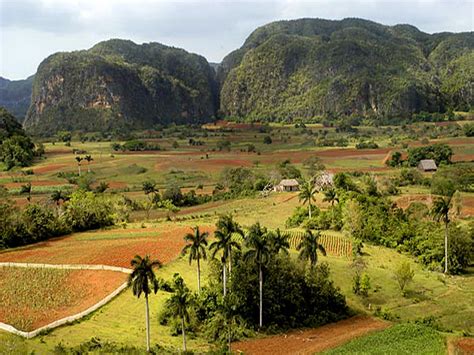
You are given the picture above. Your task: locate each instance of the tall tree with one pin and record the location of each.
(179, 304)
(278, 241)
(26, 189)
(79, 160)
(224, 243)
(308, 194)
(330, 195)
(150, 190)
(196, 247)
(258, 250)
(143, 280)
(228, 226)
(440, 211)
(88, 158)
(309, 246)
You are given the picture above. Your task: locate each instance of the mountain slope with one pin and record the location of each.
(15, 95)
(118, 84)
(311, 67)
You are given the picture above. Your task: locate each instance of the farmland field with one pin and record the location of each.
(34, 297)
(159, 233)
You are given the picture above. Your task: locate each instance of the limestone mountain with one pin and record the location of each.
(15, 95)
(118, 84)
(311, 67)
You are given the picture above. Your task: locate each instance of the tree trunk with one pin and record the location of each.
(199, 276)
(230, 262)
(147, 324)
(310, 211)
(446, 248)
(88, 168)
(224, 279)
(261, 295)
(184, 334)
(79, 168)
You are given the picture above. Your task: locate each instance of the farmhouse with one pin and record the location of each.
(287, 185)
(427, 165)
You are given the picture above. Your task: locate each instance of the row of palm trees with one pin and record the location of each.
(260, 245)
(87, 158)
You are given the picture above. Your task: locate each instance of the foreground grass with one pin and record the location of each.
(399, 339)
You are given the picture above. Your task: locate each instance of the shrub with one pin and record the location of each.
(404, 275)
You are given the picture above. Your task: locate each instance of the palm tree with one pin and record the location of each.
(89, 159)
(228, 226)
(224, 243)
(307, 194)
(79, 159)
(309, 246)
(259, 251)
(440, 211)
(26, 189)
(57, 196)
(179, 304)
(278, 242)
(330, 195)
(149, 188)
(196, 246)
(143, 280)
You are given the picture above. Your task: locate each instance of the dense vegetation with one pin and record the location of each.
(15, 96)
(82, 210)
(311, 68)
(118, 84)
(16, 148)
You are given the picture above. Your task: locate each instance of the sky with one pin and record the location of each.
(31, 30)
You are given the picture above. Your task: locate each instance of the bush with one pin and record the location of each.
(404, 275)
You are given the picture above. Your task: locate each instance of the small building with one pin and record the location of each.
(287, 185)
(427, 165)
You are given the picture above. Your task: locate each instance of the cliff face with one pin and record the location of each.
(15, 96)
(310, 67)
(118, 84)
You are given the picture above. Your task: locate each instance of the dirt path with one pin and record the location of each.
(312, 340)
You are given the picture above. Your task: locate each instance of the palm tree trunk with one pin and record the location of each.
(224, 279)
(147, 324)
(309, 211)
(199, 276)
(446, 248)
(184, 334)
(230, 262)
(88, 167)
(261, 295)
(79, 168)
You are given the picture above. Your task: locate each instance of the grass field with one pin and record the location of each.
(399, 339)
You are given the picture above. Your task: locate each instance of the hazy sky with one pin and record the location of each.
(33, 29)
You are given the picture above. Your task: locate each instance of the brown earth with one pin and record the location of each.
(466, 346)
(312, 340)
(90, 286)
(83, 248)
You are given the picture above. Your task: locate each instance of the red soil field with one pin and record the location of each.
(50, 167)
(465, 346)
(83, 248)
(312, 340)
(90, 286)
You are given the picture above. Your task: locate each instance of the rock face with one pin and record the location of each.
(118, 84)
(310, 67)
(15, 96)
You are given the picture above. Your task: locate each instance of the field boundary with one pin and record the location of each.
(9, 328)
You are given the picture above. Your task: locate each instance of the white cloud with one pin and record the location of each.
(33, 29)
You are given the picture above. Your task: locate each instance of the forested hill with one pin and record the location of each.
(118, 84)
(312, 67)
(15, 95)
